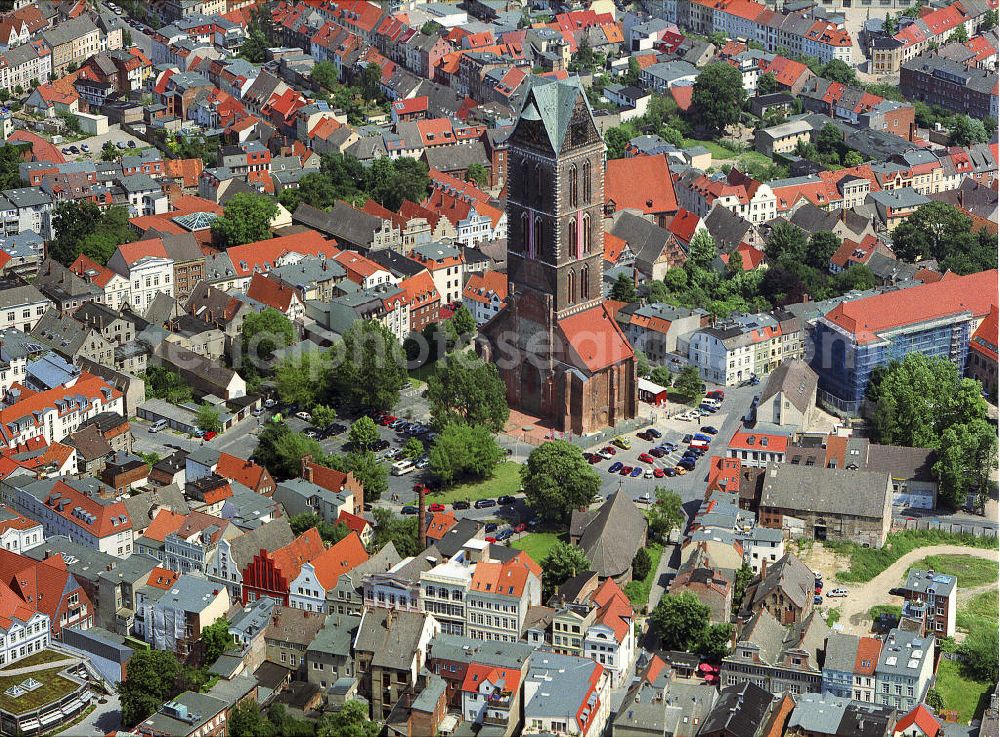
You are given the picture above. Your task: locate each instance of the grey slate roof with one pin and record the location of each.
(795, 379)
(392, 637)
(841, 652)
(939, 584)
(739, 711)
(791, 576)
(611, 536)
(826, 490)
(275, 534)
(337, 635)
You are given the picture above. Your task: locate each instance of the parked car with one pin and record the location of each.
(686, 463)
(648, 473)
(622, 443)
(460, 505)
(669, 472)
(607, 451)
(644, 499)
(679, 470)
(615, 467)
(703, 437)
(410, 509)
(311, 432)
(485, 503)
(626, 471)
(668, 446)
(716, 394)
(335, 429)
(645, 458)
(837, 593)
(654, 432)
(644, 435)
(657, 452)
(659, 473)
(505, 500)
(687, 439)
(305, 416)
(710, 430)
(436, 507)
(636, 472)
(520, 527)
(85, 148)
(210, 435)
(817, 600)
(490, 527)
(505, 535)
(131, 143)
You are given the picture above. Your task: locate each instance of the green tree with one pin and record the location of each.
(702, 250)
(461, 326)
(822, 245)
(215, 640)
(767, 83)
(891, 25)
(254, 49)
(324, 73)
(665, 515)
(557, 480)
(934, 231)
(314, 189)
(208, 418)
(11, 156)
(688, 383)
(718, 96)
(413, 449)
(966, 131)
(110, 152)
(281, 451)
(959, 35)
(246, 219)
(350, 721)
(641, 564)
(716, 641)
(329, 533)
(840, 71)
(616, 139)
(400, 531)
(856, 277)
(641, 363)
(371, 474)
(744, 576)
(390, 182)
(933, 699)
(658, 292)
(787, 244)
(300, 380)
(462, 451)
(922, 402)
(465, 388)
(477, 174)
(623, 290)
(263, 333)
(680, 620)
(81, 227)
(373, 369)
(853, 158)
(661, 375)
(247, 721)
(363, 432)
(562, 562)
(154, 676)
(322, 415)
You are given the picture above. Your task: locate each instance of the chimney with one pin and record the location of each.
(307, 471)
(422, 517)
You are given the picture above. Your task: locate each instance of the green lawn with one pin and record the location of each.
(717, 151)
(638, 591)
(506, 480)
(877, 611)
(419, 375)
(54, 686)
(832, 617)
(958, 691)
(866, 563)
(38, 658)
(971, 572)
(537, 544)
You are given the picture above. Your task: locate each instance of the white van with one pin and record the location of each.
(158, 425)
(403, 467)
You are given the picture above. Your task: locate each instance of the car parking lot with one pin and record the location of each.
(90, 148)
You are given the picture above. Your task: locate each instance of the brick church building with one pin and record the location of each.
(560, 352)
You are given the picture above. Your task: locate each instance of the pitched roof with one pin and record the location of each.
(611, 536)
(508, 578)
(866, 318)
(553, 105)
(795, 380)
(921, 718)
(273, 535)
(641, 183)
(271, 292)
(595, 339)
(303, 549)
(242, 471)
(341, 557)
(826, 490)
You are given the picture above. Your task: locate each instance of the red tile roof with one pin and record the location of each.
(482, 287)
(164, 523)
(614, 609)
(262, 255)
(109, 519)
(724, 474)
(242, 471)
(866, 659)
(866, 318)
(340, 558)
(596, 338)
(272, 293)
(505, 579)
(41, 150)
(439, 525)
(641, 183)
(613, 247)
(984, 340)
(353, 522)
(922, 719)
(305, 548)
(477, 673)
(753, 441)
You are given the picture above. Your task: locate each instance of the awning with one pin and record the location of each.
(72, 707)
(52, 716)
(30, 725)
(708, 668)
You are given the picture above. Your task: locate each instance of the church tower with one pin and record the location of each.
(555, 196)
(560, 353)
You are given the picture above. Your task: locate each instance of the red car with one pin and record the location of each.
(716, 394)
(386, 419)
(610, 449)
(418, 487)
(490, 539)
(645, 458)
(209, 435)
(436, 507)
(521, 527)
(594, 459)
(626, 470)
(659, 473)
